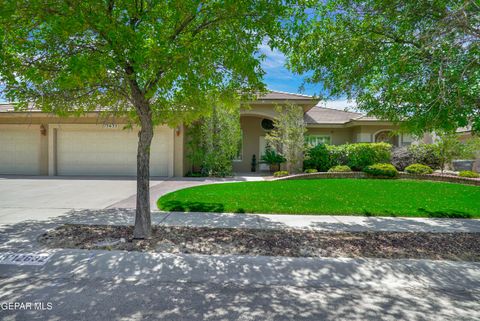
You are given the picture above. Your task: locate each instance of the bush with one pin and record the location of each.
(311, 171)
(338, 154)
(402, 157)
(426, 154)
(340, 168)
(280, 174)
(468, 174)
(381, 170)
(419, 169)
(364, 154)
(317, 157)
(356, 156)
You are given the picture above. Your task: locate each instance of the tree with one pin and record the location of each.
(287, 136)
(448, 147)
(214, 140)
(412, 61)
(156, 62)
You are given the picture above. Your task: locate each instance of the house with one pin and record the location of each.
(37, 143)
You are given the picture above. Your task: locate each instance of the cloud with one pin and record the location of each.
(340, 104)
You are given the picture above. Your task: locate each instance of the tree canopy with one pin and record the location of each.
(413, 61)
(155, 61)
(77, 56)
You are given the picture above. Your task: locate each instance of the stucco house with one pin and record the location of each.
(37, 143)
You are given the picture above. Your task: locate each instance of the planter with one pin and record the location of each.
(463, 165)
(274, 168)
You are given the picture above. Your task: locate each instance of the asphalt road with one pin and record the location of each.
(103, 285)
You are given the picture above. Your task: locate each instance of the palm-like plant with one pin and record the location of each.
(273, 159)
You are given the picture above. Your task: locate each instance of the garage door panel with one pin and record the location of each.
(109, 152)
(20, 150)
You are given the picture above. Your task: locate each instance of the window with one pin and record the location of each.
(239, 156)
(314, 140)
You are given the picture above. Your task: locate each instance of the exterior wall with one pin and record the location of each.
(51, 123)
(338, 136)
(252, 130)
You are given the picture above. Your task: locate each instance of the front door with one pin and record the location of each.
(262, 143)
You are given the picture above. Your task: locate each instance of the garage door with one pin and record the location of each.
(20, 150)
(110, 151)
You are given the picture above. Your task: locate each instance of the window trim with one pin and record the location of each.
(317, 136)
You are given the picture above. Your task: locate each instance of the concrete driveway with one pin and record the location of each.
(39, 198)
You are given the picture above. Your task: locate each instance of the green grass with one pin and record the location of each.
(369, 197)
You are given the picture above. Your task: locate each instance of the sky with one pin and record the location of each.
(279, 78)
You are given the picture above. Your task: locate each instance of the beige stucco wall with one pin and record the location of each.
(338, 135)
(252, 130)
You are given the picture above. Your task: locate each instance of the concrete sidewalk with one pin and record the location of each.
(280, 221)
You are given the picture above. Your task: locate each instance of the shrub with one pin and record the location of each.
(311, 171)
(381, 170)
(426, 154)
(280, 174)
(419, 169)
(402, 157)
(340, 168)
(317, 157)
(364, 154)
(469, 174)
(338, 155)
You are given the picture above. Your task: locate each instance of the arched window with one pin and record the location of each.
(386, 136)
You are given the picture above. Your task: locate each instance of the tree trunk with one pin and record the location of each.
(143, 221)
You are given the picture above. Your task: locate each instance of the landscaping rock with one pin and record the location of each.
(288, 242)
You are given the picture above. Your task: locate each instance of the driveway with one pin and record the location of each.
(38, 198)
(42, 197)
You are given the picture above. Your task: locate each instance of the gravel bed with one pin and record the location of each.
(290, 242)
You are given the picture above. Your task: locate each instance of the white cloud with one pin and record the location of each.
(340, 104)
(274, 58)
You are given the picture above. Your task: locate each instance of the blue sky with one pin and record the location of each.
(278, 77)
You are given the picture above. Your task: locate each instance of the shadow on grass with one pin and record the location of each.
(445, 214)
(186, 206)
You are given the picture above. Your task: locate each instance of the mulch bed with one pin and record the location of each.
(290, 243)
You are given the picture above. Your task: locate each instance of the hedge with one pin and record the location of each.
(356, 156)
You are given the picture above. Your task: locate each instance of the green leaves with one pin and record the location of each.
(180, 56)
(413, 61)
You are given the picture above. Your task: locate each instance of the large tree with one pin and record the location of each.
(154, 61)
(414, 61)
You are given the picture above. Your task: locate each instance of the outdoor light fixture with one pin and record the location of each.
(43, 130)
(177, 130)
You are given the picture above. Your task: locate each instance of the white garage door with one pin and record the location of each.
(20, 150)
(110, 151)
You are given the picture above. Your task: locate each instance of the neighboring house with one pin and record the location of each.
(37, 143)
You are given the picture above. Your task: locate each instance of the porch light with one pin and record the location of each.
(43, 130)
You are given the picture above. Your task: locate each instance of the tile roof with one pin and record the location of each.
(322, 115)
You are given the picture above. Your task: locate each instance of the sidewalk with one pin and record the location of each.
(281, 221)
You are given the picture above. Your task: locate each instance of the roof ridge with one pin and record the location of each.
(288, 93)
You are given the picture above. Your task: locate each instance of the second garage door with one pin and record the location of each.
(110, 151)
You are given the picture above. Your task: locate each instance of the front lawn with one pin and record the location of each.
(369, 197)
